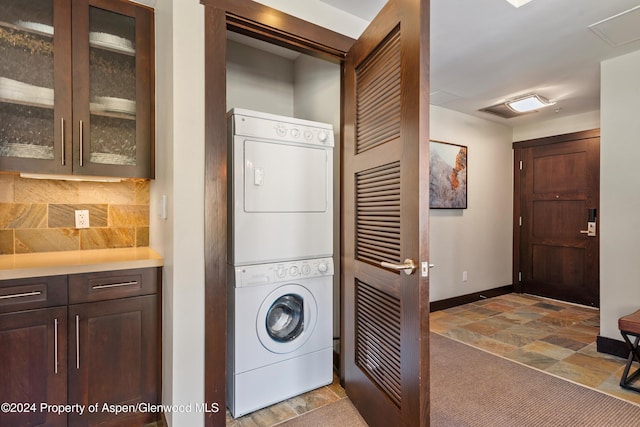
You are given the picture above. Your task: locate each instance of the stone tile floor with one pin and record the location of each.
(552, 336)
(291, 408)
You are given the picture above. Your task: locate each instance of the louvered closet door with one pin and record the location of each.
(385, 218)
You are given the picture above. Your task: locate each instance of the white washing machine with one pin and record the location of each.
(279, 337)
(281, 188)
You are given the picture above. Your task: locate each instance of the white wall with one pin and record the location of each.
(258, 80)
(557, 126)
(305, 87)
(188, 218)
(477, 239)
(317, 91)
(619, 191)
(180, 176)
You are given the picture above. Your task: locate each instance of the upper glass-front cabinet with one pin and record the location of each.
(76, 87)
(113, 100)
(27, 80)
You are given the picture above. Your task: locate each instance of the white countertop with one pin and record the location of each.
(39, 264)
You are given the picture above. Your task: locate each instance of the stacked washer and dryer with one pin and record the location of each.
(280, 285)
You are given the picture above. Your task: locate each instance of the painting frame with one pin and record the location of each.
(448, 167)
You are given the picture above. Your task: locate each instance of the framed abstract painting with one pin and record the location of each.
(447, 175)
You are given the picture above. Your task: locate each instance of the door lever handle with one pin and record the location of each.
(591, 229)
(409, 266)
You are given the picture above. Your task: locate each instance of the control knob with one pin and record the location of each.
(281, 271)
(323, 267)
(306, 269)
(295, 132)
(322, 136)
(281, 130)
(293, 270)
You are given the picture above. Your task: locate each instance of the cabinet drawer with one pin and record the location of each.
(35, 292)
(108, 285)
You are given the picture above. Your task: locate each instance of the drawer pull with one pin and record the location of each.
(115, 285)
(55, 345)
(24, 294)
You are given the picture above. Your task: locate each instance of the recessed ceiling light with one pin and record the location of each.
(518, 3)
(528, 103)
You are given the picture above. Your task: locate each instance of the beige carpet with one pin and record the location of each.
(472, 388)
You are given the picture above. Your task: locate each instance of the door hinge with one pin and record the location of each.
(520, 164)
(519, 276)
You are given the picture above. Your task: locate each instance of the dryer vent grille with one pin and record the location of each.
(377, 340)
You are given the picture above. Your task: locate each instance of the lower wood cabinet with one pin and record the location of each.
(101, 346)
(113, 358)
(33, 366)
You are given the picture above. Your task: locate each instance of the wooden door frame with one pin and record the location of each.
(517, 185)
(257, 21)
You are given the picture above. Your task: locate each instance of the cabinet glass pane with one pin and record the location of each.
(26, 78)
(112, 73)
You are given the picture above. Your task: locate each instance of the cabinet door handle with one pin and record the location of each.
(55, 345)
(77, 341)
(114, 285)
(62, 140)
(24, 294)
(81, 143)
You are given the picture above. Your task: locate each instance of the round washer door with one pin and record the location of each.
(287, 318)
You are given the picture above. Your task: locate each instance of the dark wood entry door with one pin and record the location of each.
(385, 218)
(559, 195)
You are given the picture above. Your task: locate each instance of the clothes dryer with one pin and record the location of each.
(281, 187)
(279, 337)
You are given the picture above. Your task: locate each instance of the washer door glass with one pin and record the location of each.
(285, 318)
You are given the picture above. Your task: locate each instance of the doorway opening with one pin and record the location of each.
(264, 77)
(252, 19)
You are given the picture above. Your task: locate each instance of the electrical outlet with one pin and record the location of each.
(82, 218)
(465, 277)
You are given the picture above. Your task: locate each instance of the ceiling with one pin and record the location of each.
(484, 52)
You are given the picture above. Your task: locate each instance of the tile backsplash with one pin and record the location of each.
(38, 215)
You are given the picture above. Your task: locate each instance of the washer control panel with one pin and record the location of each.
(264, 274)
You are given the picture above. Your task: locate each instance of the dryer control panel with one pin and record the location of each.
(264, 274)
(285, 129)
